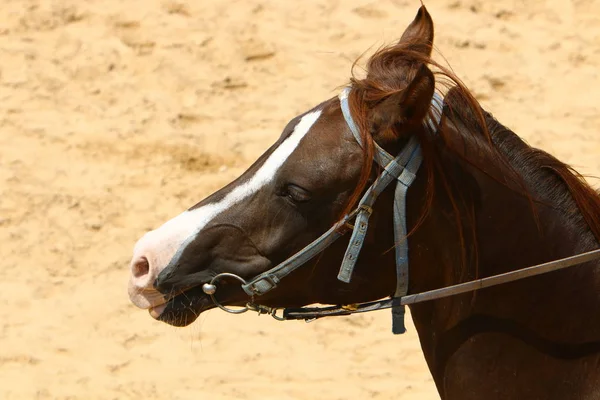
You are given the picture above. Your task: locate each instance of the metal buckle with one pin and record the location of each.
(349, 226)
(270, 278)
(366, 208)
(266, 310)
(344, 225)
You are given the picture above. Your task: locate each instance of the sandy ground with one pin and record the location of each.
(117, 115)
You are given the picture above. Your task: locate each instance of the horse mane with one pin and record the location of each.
(550, 177)
(391, 69)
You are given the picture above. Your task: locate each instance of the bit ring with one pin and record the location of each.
(210, 289)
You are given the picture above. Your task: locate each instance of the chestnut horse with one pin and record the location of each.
(482, 203)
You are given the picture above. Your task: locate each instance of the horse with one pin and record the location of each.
(476, 202)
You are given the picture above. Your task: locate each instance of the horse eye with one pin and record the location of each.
(297, 194)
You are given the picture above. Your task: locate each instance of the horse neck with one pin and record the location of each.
(545, 313)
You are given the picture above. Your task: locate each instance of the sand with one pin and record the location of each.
(117, 115)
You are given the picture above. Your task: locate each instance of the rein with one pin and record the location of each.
(402, 169)
(310, 314)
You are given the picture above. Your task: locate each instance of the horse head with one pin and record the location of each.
(298, 189)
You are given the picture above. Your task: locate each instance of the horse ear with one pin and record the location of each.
(407, 106)
(419, 33)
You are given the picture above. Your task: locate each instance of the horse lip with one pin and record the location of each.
(157, 310)
(144, 298)
(150, 298)
(199, 301)
(182, 309)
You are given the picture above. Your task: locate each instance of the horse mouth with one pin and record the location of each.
(185, 307)
(182, 309)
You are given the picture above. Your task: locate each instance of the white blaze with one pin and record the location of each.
(161, 244)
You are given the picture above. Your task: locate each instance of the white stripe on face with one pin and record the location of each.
(163, 243)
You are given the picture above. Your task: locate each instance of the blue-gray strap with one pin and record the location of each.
(382, 157)
(407, 163)
(391, 172)
(269, 279)
(400, 237)
(400, 231)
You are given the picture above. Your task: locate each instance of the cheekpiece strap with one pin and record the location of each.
(402, 168)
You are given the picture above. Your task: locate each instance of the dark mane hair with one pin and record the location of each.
(392, 68)
(550, 177)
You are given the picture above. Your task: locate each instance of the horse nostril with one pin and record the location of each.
(140, 268)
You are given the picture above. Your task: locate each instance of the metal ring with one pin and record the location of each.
(277, 317)
(222, 307)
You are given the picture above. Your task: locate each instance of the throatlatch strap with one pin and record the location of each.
(406, 179)
(400, 236)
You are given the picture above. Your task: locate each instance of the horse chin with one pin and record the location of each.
(182, 309)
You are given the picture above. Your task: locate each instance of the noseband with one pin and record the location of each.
(403, 170)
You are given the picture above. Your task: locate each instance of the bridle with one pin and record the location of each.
(403, 170)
